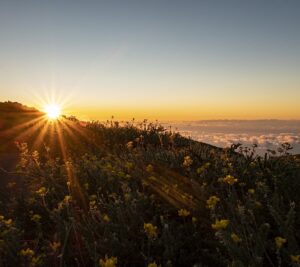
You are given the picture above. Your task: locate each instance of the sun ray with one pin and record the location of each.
(22, 126)
(28, 133)
(75, 187)
(80, 130)
(41, 136)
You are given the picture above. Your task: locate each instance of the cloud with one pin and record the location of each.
(268, 135)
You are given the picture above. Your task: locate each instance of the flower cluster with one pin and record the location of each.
(108, 262)
(220, 224)
(212, 202)
(150, 230)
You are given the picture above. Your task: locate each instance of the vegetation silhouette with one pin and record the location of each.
(135, 194)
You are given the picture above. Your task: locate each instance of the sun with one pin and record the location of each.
(53, 111)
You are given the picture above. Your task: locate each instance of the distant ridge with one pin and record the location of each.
(9, 106)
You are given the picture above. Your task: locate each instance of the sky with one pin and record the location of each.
(166, 60)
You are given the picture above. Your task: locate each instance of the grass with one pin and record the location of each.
(139, 195)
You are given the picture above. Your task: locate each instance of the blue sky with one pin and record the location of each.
(155, 59)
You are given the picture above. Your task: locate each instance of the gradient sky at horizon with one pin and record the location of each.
(154, 59)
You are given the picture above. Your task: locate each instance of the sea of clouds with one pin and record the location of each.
(267, 134)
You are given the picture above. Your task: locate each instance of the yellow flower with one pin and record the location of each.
(183, 213)
(36, 218)
(152, 178)
(93, 204)
(35, 261)
(212, 202)
(93, 197)
(295, 258)
(127, 196)
(251, 191)
(55, 246)
(41, 191)
(152, 264)
(108, 262)
(235, 238)
(149, 168)
(129, 145)
(220, 224)
(8, 222)
(27, 252)
(280, 241)
(229, 179)
(129, 165)
(67, 199)
(258, 204)
(150, 230)
(187, 162)
(106, 218)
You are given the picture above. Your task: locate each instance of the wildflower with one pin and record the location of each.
(229, 179)
(235, 238)
(203, 168)
(129, 165)
(67, 199)
(152, 178)
(129, 145)
(252, 164)
(41, 191)
(108, 262)
(35, 261)
(55, 246)
(258, 204)
(93, 197)
(150, 230)
(295, 258)
(251, 191)
(106, 218)
(152, 264)
(36, 218)
(183, 213)
(149, 168)
(187, 162)
(8, 222)
(27, 252)
(220, 224)
(280, 241)
(93, 204)
(127, 197)
(212, 202)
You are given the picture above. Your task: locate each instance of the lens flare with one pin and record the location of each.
(53, 111)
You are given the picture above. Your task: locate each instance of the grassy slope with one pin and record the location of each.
(138, 174)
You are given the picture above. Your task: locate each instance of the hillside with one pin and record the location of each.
(135, 194)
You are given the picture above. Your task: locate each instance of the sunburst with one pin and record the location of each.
(53, 111)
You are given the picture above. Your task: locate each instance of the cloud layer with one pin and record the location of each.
(267, 134)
